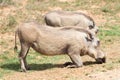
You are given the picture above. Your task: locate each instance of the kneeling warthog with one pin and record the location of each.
(68, 18)
(55, 41)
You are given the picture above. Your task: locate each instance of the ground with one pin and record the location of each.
(90, 71)
(106, 15)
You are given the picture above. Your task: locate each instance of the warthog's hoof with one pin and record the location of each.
(71, 65)
(67, 64)
(23, 70)
(28, 68)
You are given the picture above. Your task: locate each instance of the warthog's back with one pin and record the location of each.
(67, 18)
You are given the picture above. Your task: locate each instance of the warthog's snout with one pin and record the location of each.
(101, 60)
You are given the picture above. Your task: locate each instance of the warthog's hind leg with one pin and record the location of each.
(22, 56)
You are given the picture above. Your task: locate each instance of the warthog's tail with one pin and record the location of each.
(15, 47)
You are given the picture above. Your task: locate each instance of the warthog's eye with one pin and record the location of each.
(91, 26)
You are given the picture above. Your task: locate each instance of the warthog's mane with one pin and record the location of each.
(80, 30)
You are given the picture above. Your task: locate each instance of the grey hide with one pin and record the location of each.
(70, 18)
(51, 41)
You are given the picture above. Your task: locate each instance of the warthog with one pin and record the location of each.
(68, 18)
(55, 41)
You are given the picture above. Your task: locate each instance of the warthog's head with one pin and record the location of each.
(101, 57)
(93, 29)
(95, 52)
(91, 26)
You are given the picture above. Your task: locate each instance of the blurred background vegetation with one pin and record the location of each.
(106, 14)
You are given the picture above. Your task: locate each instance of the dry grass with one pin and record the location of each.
(12, 12)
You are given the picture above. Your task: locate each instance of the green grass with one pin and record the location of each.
(109, 32)
(42, 62)
(5, 62)
(33, 11)
(35, 61)
(112, 64)
(4, 3)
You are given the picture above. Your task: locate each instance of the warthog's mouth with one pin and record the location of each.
(101, 60)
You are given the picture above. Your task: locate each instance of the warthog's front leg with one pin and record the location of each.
(76, 59)
(22, 56)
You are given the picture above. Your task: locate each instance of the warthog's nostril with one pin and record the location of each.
(104, 60)
(101, 60)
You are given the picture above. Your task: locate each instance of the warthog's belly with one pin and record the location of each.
(50, 49)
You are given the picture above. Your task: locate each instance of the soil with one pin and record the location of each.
(89, 71)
